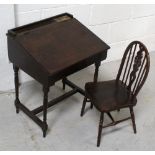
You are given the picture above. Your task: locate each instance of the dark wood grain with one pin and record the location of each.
(56, 41)
(50, 50)
(122, 92)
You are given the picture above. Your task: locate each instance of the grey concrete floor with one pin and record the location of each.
(67, 130)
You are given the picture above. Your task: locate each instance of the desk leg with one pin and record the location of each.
(16, 81)
(97, 65)
(45, 102)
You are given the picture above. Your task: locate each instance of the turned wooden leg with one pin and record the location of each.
(83, 106)
(16, 81)
(63, 84)
(97, 65)
(133, 119)
(45, 101)
(100, 129)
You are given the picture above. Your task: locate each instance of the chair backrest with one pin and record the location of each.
(134, 67)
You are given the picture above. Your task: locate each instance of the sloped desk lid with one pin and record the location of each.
(58, 42)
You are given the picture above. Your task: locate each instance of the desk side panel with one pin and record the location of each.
(19, 57)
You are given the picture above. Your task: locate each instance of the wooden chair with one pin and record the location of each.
(120, 93)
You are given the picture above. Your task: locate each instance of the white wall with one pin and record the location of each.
(6, 22)
(115, 24)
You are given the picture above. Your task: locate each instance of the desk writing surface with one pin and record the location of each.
(61, 44)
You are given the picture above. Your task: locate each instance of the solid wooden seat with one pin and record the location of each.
(116, 95)
(120, 93)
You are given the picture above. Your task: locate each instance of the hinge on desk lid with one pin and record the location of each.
(62, 18)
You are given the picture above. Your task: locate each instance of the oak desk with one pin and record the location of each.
(50, 50)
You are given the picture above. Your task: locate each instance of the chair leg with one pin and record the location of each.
(100, 129)
(133, 119)
(83, 106)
